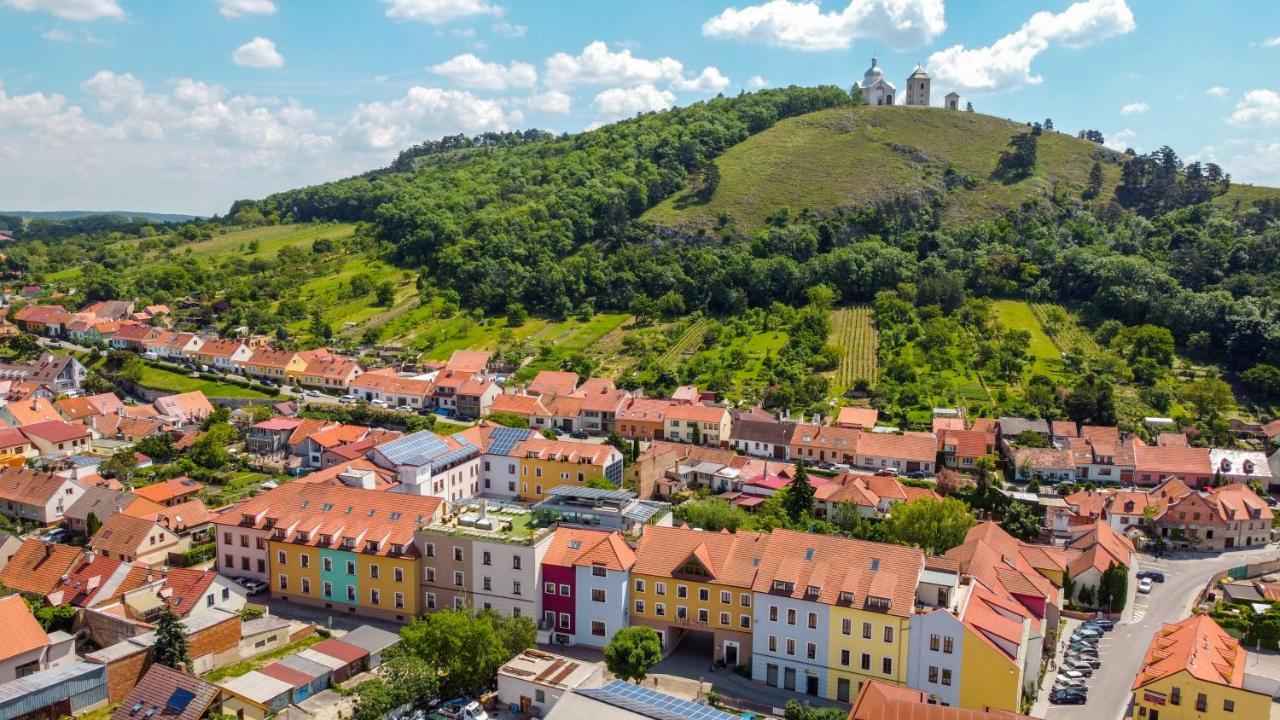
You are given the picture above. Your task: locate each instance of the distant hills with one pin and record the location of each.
(56, 215)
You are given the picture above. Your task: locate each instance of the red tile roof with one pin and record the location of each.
(581, 546)
(904, 447)
(861, 417)
(1197, 646)
(29, 487)
(335, 648)
(522, 405)
(554, 382)
(1172, 460)
(169, 490)
(468, 362)
(185, 587)
(22, 633)
(38, 566)
(728, 558)
(879, 700)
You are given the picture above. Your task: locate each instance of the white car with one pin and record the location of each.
(313, 393)
(1144, 585)
(1066, 682)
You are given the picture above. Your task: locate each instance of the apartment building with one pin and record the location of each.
(447, 467)
(585, 579)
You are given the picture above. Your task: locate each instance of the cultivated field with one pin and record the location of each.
(853, 330)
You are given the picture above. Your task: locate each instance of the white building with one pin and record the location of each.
(509, 575)
(429, 464)
(874, 88)
(918, 88)
(534, 681)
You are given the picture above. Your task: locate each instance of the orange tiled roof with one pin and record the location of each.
(1197, 646)
(385, 380)
(268, 357)
(186, 586)
(33, 410)
(582, 546)
(863, 417)
(1172, 460)
(29, 487)
(171, 489)
(967, 443)
(696, 413)
(563, 450)
(921, 448)
(554, 382)
(523, 405)
(646, 410)
(1237, 501)
(841, 571)
(214, 347)
(22, 633)
(333, 367)
(728, 558)
(879, 700)
(37, 566)
(122, 534)
(827, 437)
(468, 362)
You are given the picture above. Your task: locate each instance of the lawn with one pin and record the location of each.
(161, 379)
(241, 485)
(1018, 315)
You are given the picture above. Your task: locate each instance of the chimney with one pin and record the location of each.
(89, 555)
(182, 667)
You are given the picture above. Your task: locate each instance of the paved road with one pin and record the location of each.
(1123, 649)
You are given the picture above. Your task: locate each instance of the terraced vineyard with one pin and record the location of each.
(854, 331)
(1063, 328)
(688, 341)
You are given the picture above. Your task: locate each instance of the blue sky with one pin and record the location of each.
(187, 105)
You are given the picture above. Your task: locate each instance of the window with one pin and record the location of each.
(933, 674)
(886, 666)
(229, 561)
(599, 571)
(457, 578)
(773, 643)
(457, 553)
(888, 633)
(540, 696)
(597, 628)
(639, 585)
(431, 601)
(597, 595)
(226, 593)
(487, 583)
(660, 609)
(351, 593)
(844, 658)
(744, 621)
(791, 616)
(564, 621)
(431, 549)
(375, 596)
(935, 642)
(351, 567)
(1175, 696)
(813, 621)
(306, 587)
(564, 590)
(1229, 705)
(746, 600)
(640, 607)
(327, 564)
(811, 651)
(1202, 702)
(431, 574)
(866, 631)
(703, 615)
(398, 574)
(846, 626)
(660, 588)
(791, 646)
(682, 591)
(373, 571)
(281, 558)
(208, 599)
(486, 558)
(549, 588)
(724, 618)
(866, 661)
(704, 594)
(946, 676)
(328, 589)
(773, 613)
(948, 644)
(682, 612)
(283, 582)
(515, 587)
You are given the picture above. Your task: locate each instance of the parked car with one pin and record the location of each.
(918, 475)
(1082, 647)
(1069, 675)
(404, 408)
(1079, 665)
(840, 467)
(1101, 623)
(463, 710)
(1062, 682)
(579, 435)
(1067, 696)
(313, 393)
(887, 472)
(346, 399)
(56, 535)
(1091, 660)
(1153, 575)
(1084, 632)
(1144, 586)
(252, 585)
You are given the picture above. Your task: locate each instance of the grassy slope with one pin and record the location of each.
(1017, 315)
(845, 158)
(160, 379)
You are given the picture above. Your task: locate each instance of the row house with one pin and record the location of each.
(698, 424)
(385, 386)
(906, 453)
(523, 406)
(520, 463)
(485, 560)
(961, 449)
(1102, 459)
(643, 419)
(551, 383)
(172, 346)
(134, 337)
(759, 434)
(225, 355)
(563, 413)
(602, 402)
(279, 366)
(832, 613)
(447, 467)
(1242, 466)
(331, 546)
(331, 372)
(1195, 669)
(475, 397)
(585, 578)
(1156, 464)
(42, 319)
(55, 437)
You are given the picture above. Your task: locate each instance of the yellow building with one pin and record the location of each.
(1194, 669)
(690, 585)
(349, 550)
(277, 365)
(698, 424)
(545, 464)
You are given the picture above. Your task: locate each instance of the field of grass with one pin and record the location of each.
(853, 157)
(853, 330)
(1018, 315)
(240, 486)
(161, 379)
(328, 292)
(685, 344)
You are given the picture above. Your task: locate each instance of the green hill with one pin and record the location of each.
(856, 157)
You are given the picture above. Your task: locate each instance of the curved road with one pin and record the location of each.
(1123, 649)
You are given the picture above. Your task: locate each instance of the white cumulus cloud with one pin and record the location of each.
(802, 25)
(258, 53)
(552, 101)
(422, 112)
(470, 71)
(598, 65)
(1217, 91)
(619, 102)
(1134, 108)
(240, 8)
(1251, 161)
(1257, 107)
(1006, 64)
(79, 10)
(1121, 140)
(710, 80)
(1271, 42)
(438, 12)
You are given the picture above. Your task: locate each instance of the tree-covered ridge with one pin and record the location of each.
(529, 221)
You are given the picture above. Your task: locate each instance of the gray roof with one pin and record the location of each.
(765, 431)
(590, 493)
(256, 626)
(47, 685)
(1010, 426)
(101, 501)
(371, 639)
(259, 688)
(640, 701)
(310, 668)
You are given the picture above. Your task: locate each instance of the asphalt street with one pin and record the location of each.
(1122, 650)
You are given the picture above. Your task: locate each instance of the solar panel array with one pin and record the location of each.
(466, 450)
(653, 704)
(505, 438)
(590, 493)
(415, 449)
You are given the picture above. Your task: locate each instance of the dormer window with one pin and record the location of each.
(878, 603)
(269, 523)
(247, 519)
(348, 543)
(397, 549)
(326, 539)
(279, 534)
(304, 536)
(846, 597)
(371, 546)
(812, 590)
(782, 586)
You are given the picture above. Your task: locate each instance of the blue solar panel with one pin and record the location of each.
(180, 699)
(504, 438)
(416, 449)
(650, 703)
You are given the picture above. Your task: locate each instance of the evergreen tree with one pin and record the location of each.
(800, 494)
(171, 640)
(1094, 187)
